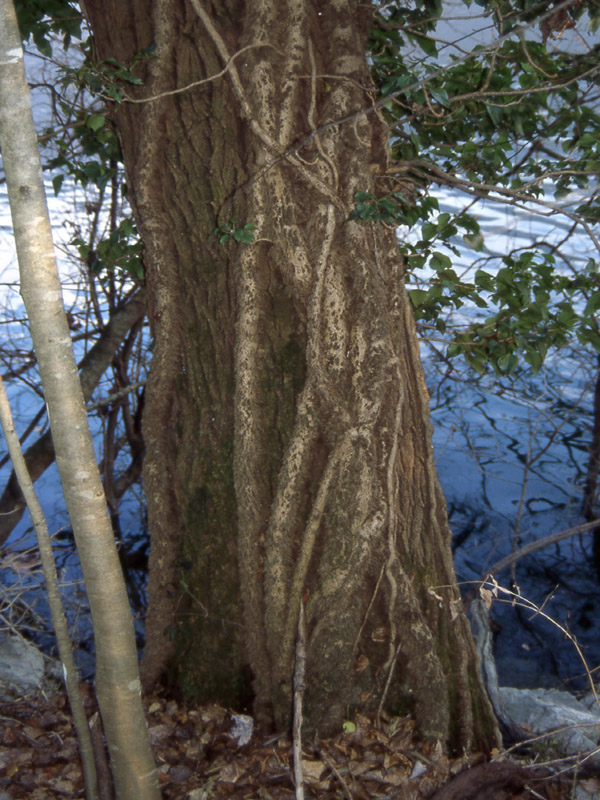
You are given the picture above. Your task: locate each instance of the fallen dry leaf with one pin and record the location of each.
(312, 770)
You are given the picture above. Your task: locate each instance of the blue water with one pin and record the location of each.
(520, 450)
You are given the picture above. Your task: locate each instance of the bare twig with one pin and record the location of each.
(387, 685)
(299, 686)
(193, 85)
(537, 545)
(336, 772)
(117, 395)
(105, 784)
(522, 499)
(495, 589)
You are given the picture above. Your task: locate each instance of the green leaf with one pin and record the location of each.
(57, 182)
(587, 140)
(441, 95)
(590, 337)
(440, 261)
(592, 305)
(484, 280)
(428, 230)
(135, 268)
(93, 170)
(396, 83)
(495, 114)
(417, 297)
(507, 363)
(95, 121)
(428, 46)
(477, 361)
(534, 358)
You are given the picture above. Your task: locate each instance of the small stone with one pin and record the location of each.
(179, 773)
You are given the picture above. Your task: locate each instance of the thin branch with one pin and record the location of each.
(537, 545)
(109, 399)
(299, 687)
(510, 196)
(193, 85)
(517, 599)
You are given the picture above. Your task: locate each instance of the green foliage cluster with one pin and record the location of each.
(234, 231)
(84, 142)
(107, 79)
(515, 120)
(536, 311)
(88, 149)
(45, 20)
(120, 252)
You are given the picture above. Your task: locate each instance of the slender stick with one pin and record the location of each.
(299, 687)
(59, 621)
(553, 538)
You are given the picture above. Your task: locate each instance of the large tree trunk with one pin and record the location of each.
(288, 439)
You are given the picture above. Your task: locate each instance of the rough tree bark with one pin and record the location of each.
(287, 429)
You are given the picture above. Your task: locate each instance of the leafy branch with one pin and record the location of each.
(242, 234)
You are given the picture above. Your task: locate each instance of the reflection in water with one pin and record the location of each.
(520, 446)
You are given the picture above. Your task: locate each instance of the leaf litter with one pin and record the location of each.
(199, 757)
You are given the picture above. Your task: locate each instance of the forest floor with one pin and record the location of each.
(200, 758)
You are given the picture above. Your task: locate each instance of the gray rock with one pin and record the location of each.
(24, 669)
(590, 702)
(542, 711)
(581, 793)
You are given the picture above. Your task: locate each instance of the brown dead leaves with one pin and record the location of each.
(199, 758)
